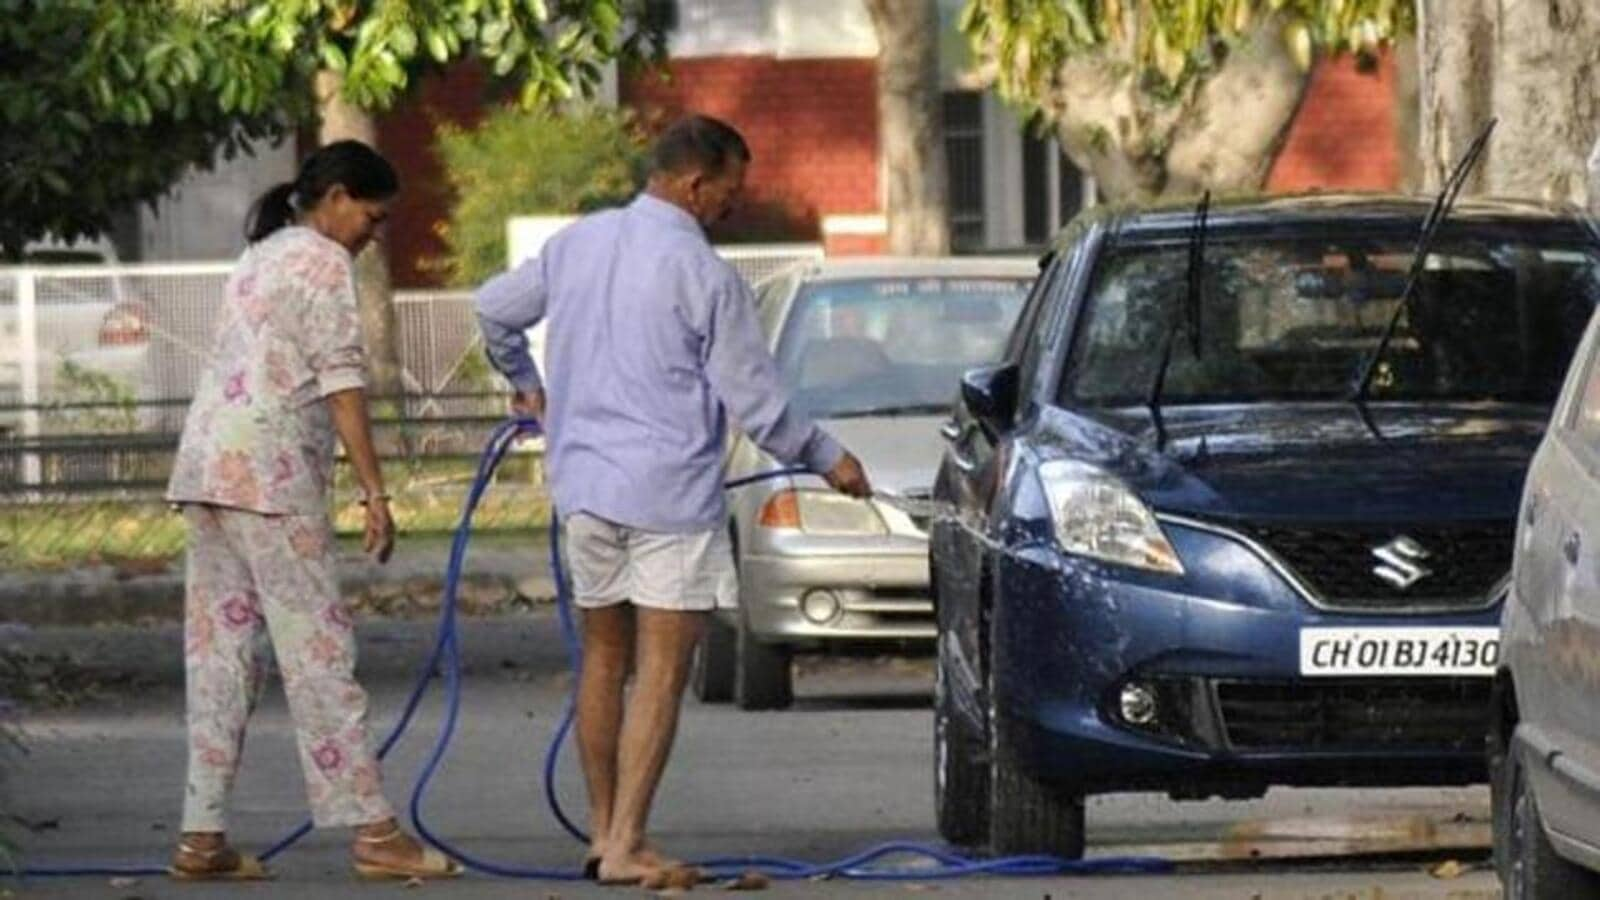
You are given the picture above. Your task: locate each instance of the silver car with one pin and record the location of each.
(874, 350)
(1544, 742)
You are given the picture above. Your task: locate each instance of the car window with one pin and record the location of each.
(1053, 308)
(1497, 314)
(1029, 316)
(858, 346)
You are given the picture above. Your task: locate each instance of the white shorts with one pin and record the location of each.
(611, 564)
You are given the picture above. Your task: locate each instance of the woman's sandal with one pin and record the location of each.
(218, 867)
(432, 865)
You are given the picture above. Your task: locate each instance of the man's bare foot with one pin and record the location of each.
(624, 868)
(645, 855)
(674, 878)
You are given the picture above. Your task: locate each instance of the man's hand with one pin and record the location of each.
(847, 477)
(528, 403)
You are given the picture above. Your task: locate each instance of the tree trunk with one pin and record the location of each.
(1532, 64)
(1220, 133)
(1455, 62)
(911, 127)
(342, 121)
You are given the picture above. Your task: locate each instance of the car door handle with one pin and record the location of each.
(1531, 514)
(1571, 546)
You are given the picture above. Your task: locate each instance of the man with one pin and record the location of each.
(653, 341)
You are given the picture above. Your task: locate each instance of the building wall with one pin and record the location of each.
(406, 136)
(786, 29)
(1346, 134)
(812, 126)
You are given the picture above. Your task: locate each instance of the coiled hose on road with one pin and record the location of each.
(916, 861)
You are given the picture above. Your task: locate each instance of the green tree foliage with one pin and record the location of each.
(552, 49)
(106, 103)
(1169, 97)
(1172, 41)
(548, 162)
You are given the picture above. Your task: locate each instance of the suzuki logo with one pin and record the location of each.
(1400, 562)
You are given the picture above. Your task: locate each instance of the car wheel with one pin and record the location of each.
(1027, 815)
(1532, 869)
(763, 673)
(960, 765)
(714, 662)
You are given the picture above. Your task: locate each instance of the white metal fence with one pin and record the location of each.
(90, 351)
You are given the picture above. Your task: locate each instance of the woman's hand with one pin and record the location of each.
(528, 403)
(379, 539)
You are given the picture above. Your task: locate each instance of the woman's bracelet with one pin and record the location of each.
(369, 498)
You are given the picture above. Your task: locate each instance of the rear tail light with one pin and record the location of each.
(782, 510)
(125, 324)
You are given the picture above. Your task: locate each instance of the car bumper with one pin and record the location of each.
(1234, 714)
(880, 588)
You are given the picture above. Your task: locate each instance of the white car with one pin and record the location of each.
(91, 332)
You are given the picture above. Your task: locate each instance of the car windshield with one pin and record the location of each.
(1496, 316)
(893, 345)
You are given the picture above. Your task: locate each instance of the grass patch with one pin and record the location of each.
(136, 535)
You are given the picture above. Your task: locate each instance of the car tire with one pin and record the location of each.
(1532, 869)
(715, 661)
(960, 766)
(1028, 815)
(763, 673)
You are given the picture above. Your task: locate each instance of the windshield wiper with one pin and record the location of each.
(1190, 315)
(1430, 228)
(903, 409)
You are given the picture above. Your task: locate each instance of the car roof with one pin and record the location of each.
(851, 267)
(1244, 213)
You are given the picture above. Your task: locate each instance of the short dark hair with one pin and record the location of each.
(700, 142)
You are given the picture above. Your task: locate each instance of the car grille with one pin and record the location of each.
(1354, 714)
(1464, 562)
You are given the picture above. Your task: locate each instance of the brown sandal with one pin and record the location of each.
(432, 865)
(222, 864)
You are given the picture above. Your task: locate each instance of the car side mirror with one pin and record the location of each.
(990, 394)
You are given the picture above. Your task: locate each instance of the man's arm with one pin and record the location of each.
(508, 305)
(746, 378)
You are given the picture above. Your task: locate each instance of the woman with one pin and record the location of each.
(252, 476)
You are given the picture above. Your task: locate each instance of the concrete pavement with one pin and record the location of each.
(849, 766)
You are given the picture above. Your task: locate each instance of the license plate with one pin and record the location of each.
(1399, 651)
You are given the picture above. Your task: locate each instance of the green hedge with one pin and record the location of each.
(552, 162)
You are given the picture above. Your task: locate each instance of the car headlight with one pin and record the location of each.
(1096, 515)
(821, 512)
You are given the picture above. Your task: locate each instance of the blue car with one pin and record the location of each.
(1230, 515)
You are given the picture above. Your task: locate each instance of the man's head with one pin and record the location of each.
(698, 163)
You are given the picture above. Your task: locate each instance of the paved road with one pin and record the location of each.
(846, 768)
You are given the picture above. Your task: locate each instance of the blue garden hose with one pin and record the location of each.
(937, 863)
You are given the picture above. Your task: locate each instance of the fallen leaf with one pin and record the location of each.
(1450, 868)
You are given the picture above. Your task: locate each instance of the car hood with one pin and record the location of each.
(1315, 463)
(900, 453)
